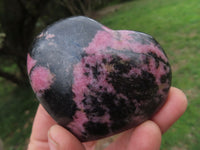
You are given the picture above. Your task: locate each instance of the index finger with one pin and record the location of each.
(172, 110)
(42, 122)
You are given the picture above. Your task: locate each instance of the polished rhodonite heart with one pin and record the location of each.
(95, 81)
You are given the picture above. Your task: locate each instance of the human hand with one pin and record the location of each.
(47, 135)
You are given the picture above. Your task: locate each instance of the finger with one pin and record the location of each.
(146, 136)
(174, 107)
(42, 122)
(61, 139)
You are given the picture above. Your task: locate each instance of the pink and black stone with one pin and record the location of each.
(95, 81)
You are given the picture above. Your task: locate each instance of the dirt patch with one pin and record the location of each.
(181, 146)
(107, 10)
(1, 144)
(177, 148)
(191, 93)
(102, 144)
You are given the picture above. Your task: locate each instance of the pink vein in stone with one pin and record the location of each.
(79, 87)
(100, 42)
(49, 36)
(77, 124)
(80, 84)
(41, 79)
(104, 39)
(120, 40)
(141, 48)
(46, 35)
(30, 63)
(102, 119)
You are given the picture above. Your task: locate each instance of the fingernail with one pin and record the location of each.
(52, 143)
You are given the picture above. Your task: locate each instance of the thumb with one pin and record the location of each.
(61, 139)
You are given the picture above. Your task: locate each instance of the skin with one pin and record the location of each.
(47, 135)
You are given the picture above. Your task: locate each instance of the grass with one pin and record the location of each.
(175, 24)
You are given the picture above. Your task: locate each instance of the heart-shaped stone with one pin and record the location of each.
(95, 81)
